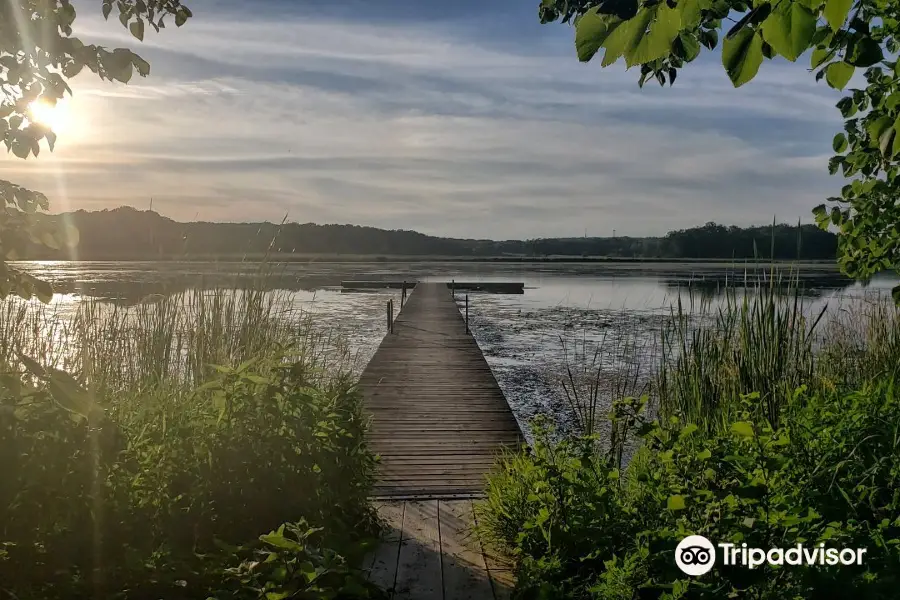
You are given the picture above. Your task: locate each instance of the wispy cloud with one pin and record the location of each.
(416, 120)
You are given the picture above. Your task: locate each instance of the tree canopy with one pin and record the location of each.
(38, 55)
(843, 36)
(128, 234)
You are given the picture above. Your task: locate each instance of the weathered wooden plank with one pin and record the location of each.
(419, 562)
(383, 567)
(465, 574)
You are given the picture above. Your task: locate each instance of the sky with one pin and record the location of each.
(465, 118)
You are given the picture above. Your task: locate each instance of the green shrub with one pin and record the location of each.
(131, 482)
(829, 473)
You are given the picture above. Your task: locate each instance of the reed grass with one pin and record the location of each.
(758, 340)
(172, 340)
(225, 413)
(609, 367)
(759, 337)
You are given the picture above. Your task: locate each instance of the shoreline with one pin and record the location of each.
(612, 262)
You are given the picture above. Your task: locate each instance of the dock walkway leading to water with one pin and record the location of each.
(439, 419)
(438, 416)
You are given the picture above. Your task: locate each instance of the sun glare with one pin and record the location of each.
(48, 115)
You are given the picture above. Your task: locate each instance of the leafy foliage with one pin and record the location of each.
(843, 35)
(156, 483)
(580, 528)
(286, 563)
(38, 54)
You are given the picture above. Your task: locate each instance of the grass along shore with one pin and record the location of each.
(204, 446)
(764, 426)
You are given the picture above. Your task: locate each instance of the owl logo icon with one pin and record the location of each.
(695, 555)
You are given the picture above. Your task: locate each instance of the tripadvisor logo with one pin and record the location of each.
(696, 555)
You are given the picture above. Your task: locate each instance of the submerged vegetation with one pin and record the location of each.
(145, 450)
(763, 424)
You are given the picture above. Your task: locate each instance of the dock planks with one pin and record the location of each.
(429, 552)
(438, 416)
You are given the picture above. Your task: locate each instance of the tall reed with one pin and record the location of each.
(761, 337)
(757, 340)
(172, 340)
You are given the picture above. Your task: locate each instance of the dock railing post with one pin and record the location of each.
(390, 316)
(467, 313)
(453, 288)
(403, 295)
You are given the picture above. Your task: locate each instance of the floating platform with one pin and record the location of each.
(491, 287)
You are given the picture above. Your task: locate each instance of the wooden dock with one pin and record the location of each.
(438, 416)
(429, 553)
(439, 419)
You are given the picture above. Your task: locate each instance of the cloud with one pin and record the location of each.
(416, 118)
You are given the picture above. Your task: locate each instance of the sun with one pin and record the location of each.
(55, 117)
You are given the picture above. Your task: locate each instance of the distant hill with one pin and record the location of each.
(129, 234)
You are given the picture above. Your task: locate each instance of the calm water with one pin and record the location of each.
(581, 315)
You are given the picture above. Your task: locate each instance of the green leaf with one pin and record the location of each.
(278, 540)
(704, 454)
(742, 55)
(70, 394)
(691, 14)
(790, 29)
(847, 107)
(675, 502)
(836, 12)
(709, 38)
(877, 129)
(865, 52)
(658, 42)
(21, 146)
(838, 74)
(690, 46)
(137, 29)
(819, 56)
(688, 430)
(142, 66)
(895, 147)
(742, 429)
(626, 37)
(32, 365)
(839, 143)
(591, 31)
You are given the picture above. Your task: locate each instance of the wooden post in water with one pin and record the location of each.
(390, 316)
(403, 295)
(467, 313)
(453, 288)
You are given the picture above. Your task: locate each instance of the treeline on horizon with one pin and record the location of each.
(127, 233)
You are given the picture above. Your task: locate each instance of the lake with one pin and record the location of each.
(580, 316)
